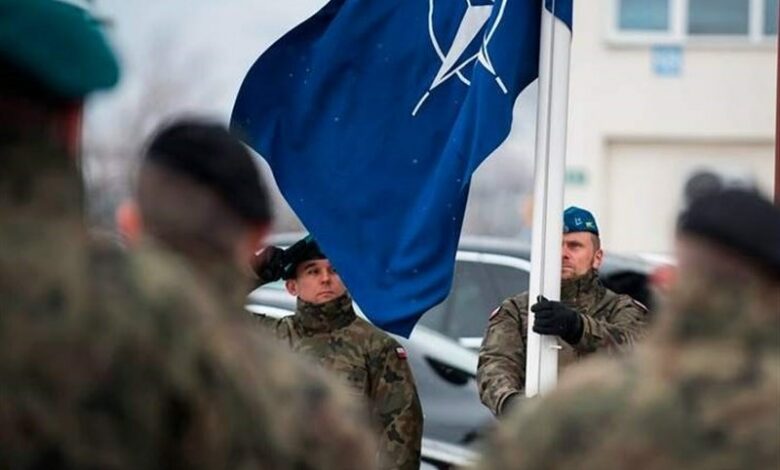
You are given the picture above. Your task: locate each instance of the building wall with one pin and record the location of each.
(636, 135)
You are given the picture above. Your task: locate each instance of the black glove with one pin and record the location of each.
(554, 318)
(268, 264)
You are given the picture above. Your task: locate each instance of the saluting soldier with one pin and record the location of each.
(326, 328)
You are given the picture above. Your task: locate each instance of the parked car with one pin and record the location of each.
(444, 371)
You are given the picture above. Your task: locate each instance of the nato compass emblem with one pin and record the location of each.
(474, 26)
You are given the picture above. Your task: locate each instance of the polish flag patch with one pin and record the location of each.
(401, 353)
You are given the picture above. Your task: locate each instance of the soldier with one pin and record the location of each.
(369, 361)
(200, 195)
(703, 391)
(110, 361)
(588, 318)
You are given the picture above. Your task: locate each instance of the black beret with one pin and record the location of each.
(210, 155)
(301, 251)
(738, 219)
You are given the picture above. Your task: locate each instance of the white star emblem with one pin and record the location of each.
(473, 24)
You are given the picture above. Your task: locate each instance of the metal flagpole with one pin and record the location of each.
(554, 51)
(777, 123)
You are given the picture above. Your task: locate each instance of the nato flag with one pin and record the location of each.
(373, 115)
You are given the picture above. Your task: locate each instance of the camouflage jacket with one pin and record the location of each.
(702, 392)
(124, 362)
(610, 321)
(371, 363)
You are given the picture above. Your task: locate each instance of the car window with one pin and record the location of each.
(472, 299)
(436, 316)
(509, 281)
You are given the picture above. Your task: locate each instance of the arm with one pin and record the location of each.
(278, 328)
(396, 408)
(621, 324)
(501, 369)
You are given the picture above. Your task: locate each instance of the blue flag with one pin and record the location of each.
(373, 115)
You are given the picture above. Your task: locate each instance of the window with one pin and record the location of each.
(677, 20)
(436, 317)
(718, 17)
(644, 15)
(510, 281)
(471, 300)
(770, 17)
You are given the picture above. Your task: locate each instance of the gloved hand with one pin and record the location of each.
(268, 264)
(554, 318)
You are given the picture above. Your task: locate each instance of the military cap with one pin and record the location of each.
(738, 219)
(301, 251)
(576, 219)
(208, 154)
(57, 44)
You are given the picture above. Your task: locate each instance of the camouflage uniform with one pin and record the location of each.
(610, 321)
(703, 392)
(371, 363)
(110, 361)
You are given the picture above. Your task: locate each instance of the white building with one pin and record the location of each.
(659, 90)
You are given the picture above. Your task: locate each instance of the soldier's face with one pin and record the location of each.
(316, 282)
(579, 255)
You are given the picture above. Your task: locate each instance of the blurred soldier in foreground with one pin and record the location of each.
(200, 195)
(588, 318)
(108, 361)
(704, 391)
(326, 329)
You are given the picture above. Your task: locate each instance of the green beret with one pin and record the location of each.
(58, 44)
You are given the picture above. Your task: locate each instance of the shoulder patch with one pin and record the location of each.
(640, 304)
(494, 312)
(401, 353)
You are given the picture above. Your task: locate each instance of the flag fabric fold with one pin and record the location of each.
(373, 115)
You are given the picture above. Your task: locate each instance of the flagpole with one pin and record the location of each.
(551, 120)
(777, 122)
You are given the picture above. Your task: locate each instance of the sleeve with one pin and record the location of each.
(278, 328)
(616, 331)
(501, 368)
(565, 429)
(396, 408)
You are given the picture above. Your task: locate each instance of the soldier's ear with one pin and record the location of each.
(129, 223)
(598, 258)
(292, 287)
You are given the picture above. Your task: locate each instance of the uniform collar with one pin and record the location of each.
(39, 180)
(705, 309)
(583, 291)
(329, 316)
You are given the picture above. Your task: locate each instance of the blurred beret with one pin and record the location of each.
(576, 219)
(208, 154)
(738, 219)
(57, 44)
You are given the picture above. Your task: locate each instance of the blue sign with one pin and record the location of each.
(667, 60)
